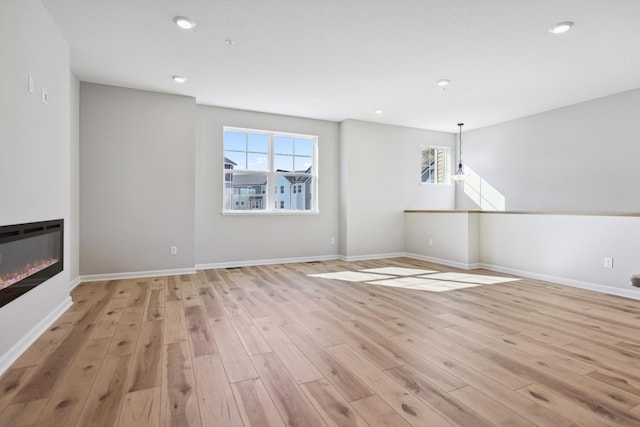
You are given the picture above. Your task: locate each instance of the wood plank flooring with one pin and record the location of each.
(274, 346)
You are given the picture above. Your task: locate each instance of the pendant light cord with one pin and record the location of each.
(460, 143)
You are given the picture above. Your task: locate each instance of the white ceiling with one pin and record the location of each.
(342, 59)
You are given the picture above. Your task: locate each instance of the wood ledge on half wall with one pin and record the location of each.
(567, 213)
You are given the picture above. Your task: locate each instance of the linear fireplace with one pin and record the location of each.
(29, 254)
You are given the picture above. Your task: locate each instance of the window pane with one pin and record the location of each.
(434, 169)
(427, 165)
(304, 147)
(258, 162)
(240, 159)
(283, 145)
(245, 192)
(258, 143)
(235, 141)
(297, 193)
(302, 164)
(283, 163)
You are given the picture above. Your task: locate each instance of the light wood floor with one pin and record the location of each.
(271, 345)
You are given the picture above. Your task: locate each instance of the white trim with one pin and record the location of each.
(271, 174)
(263, 212)
(627, 293)
(7, 359)
(232, 264)
(455, 264)
(372, 256)
(137, 274)
(75, 282)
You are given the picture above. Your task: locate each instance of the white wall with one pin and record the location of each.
(380, 178)
(35, 152)
(227, 239)
(581, 158)
(567, 249)
(450, 238)
(578, 158)
(137, 155)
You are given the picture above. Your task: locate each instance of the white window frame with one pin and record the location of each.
(272, 190)
(447, 164)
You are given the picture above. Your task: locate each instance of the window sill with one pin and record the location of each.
(269, 213)
(432, 184)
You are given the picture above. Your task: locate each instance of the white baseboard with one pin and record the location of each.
(371, 256)
(248, 263)
(75, 282)
(627, 293)
(136, 274)
(450, 263)
(23, 344)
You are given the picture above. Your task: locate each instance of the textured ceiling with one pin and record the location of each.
(337, 60)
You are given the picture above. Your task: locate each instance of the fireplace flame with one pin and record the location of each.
(26, 271)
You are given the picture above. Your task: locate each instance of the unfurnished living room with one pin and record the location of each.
(319, 213)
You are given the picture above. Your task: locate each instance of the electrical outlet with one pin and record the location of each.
(45, 96)
(608, 262)
(173, 250)
(430, 242)
(333, 241)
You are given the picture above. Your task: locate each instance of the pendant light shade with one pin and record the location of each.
(459, 175)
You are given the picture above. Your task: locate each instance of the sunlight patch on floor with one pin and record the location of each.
(415, 278)
(402, 282)
(399, 271)
(423, 284)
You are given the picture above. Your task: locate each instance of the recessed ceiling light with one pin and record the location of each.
(179, 79)
(184, 22)
(443, 82)
(378, 111)
(562, 27)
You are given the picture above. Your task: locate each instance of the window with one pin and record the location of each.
(435, 167)
(260, 164)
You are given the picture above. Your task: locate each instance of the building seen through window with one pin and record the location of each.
(435, 165)
(259, 165)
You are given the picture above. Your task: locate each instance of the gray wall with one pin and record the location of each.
(380, 179)
(578, 158)
(136, 180)
(35, 153)
(225, 239)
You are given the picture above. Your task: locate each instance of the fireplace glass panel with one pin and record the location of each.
(29, 255)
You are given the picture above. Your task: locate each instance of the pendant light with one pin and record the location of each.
(459, 175)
